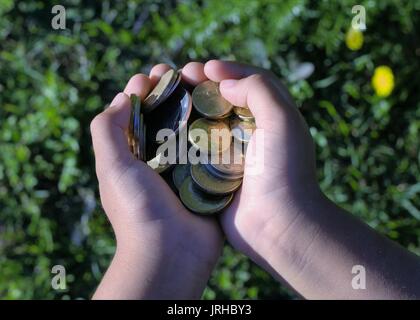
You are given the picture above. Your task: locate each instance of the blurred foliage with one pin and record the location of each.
(53, 82)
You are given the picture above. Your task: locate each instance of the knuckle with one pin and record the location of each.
(260, 79)
(162, 65)
(98, 122)
(256, 77)
(137, 77)
(193, 64)
(157, 68)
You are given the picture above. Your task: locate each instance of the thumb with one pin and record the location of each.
(263, 97)
(109, 139)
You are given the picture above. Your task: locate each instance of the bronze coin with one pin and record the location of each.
(200, 202)
(180, 173)
(231, 162)
(244, 113)
(242, 130)
(212, 184)
(160, 91)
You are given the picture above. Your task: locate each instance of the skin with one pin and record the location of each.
(161, 247)
(279, 218)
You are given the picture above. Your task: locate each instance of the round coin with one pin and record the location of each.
(173, 114)
(200, 202)
(210, 136)
(243, 113)
(170, 88)
(157, 95)
(242, 130)
(212, 184)
(180, 173)
(174, 84)
(209, 102)
(231, 162)
(220, 175)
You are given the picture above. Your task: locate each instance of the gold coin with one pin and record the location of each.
(212, 184)
(243, 113)
(159, 92)
(220, 175)
(214, 136)
(209, 102)
(200, 202)
(174, 84)
(242, 130)
(180, 173)
(231, 162)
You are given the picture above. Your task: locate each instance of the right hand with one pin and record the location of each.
(163, 251)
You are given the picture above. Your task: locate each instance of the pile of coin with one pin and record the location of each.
(207, 186)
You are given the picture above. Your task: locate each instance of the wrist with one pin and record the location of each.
(292, 227)
(163, 266)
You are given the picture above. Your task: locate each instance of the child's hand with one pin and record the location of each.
(163, 251)
(263, 210)
(282, 220)
(279, 218)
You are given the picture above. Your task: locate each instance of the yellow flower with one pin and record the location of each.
(354, 39)
(383, 81)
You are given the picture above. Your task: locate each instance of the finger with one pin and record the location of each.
(157, 72)
(139, 85)
(218, 70)
(193, 73)
(108, 135)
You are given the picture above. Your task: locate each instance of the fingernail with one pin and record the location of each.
(118, 100)
(229, 83)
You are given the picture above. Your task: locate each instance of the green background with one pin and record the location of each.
(53, 82)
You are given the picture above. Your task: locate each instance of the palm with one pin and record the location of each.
(150, 205)
(254, 203)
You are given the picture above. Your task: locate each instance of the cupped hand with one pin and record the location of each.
(163, 251)
(174, 250)
(282, 220)
(280, 162)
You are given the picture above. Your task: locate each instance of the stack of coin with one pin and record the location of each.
(205, 187)
(167, 106)
(137, 129)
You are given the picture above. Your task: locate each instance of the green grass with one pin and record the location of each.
(53, 82)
